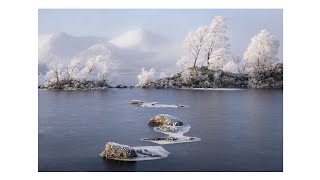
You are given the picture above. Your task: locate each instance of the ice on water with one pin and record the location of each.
(159, 105)
(179, 134)
(214, 89)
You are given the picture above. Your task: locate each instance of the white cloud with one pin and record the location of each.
(43, 45)
(130, 38)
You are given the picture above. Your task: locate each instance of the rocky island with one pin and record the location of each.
(207, 78)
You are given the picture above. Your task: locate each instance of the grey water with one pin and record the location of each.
(240, 130)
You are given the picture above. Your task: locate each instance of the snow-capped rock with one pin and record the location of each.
(164, 119)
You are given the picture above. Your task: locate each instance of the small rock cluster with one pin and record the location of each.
(161, 122)
(135, 102)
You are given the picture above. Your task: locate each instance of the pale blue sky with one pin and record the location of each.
(171, 24)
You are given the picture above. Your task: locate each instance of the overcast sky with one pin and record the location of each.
(171, 24)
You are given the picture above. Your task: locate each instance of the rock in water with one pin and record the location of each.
(135, 102)
(118, 151)
(178, 123)
(166, 128)
(161, 138)
(164, 119)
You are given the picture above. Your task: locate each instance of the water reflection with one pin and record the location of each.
(113, 165)
(240, 130)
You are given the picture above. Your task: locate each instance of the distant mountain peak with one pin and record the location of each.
(64, 46)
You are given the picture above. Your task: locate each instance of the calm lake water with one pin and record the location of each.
(241, 130)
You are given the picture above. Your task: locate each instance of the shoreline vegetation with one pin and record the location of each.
(204, 78)
(206, 64)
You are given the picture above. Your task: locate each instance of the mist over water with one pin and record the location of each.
(239, 130)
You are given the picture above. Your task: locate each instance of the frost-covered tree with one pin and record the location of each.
(194, 43)
(72, 71)
(88, 68)
(145, 77)
(76, 75)
(240, 64)
(261, 53)
(104, 65)
(218, 59)
(231, 66)
(164, 75)
(236, 65)
(54, 75)
(216, 44)
(184, 63)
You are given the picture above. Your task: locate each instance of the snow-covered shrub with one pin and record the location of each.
(187, 75)
(231, 66)
(145, 77)
(164, 75)
(184, 63)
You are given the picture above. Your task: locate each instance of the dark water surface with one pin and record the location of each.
(240, 130)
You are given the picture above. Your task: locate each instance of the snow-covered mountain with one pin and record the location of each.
(134, 49)
(65, 46)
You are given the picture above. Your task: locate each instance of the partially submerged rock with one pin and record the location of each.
(160, 105)
(134, 101)
(166, 128)
(160, 138)
(118, 151)
(122, 152)
(172, 127)
(164, 119)
(178, 123)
